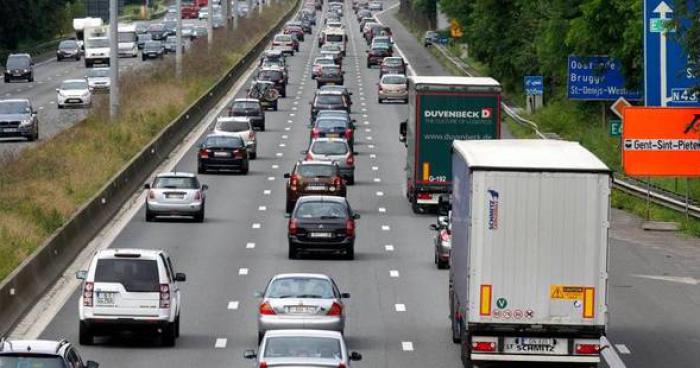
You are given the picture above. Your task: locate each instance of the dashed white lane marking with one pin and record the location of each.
(375, 168)
(381, 210)
(287, 128)
(623, 349)
(406, 346)
(364, 109)
(279, 154)
(370, 146)
(400, 307)
(372, 155)
(380, 194)
(262, 208)
(52, 102)
(386, 228)
(8, 94)
(250, 245)
(233, 305)
(294, 108)
(369, 138)
(363, 104)
(242, 271)
(365, 122)
(283, 145)
(292, 114)
(256, 225)
(364, 116)
(220, 343)
(275, 167)
(394, 273)
(290, 121)
(284, 136)
(367, 130)
(389, 248)
(271, 178)
(267, 192)
(377, 180)
(41, 107)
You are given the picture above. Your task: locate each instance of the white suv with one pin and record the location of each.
(130, 289)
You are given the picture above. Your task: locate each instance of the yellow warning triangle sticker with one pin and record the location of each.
(557, 293)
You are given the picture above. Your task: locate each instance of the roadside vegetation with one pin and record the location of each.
(41, 187)
(510, 39)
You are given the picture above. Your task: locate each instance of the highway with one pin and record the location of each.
(397, 316)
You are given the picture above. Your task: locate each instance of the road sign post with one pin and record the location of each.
(667, 77)
(113, 59)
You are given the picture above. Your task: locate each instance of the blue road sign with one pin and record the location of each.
(534, 85)
(667, 79)
(597, 78)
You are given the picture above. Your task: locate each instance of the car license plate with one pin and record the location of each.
(299, 309)
(332, 135)
(316, 187)
(222, 154)
(535, 345)
(174, 196)
(10, 130)
(320, 235)
(103, 298)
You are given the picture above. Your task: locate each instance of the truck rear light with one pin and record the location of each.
(164, 296)
(335, 310)
(425, 196)
(485, 300)
(337, 182)
(587, 349)
(293, 226)
(342, 365)
(588, 302)
(88, 292)
(350, 227)
(484, 346)
(266, 309)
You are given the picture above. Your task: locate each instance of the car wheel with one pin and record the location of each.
(167, 337)
(369, 65)
(149, 215)
(379, 100)
(435, 258)
(351, 180)
(442, 265)
(31, 78)
(405, 101)
(318, 85)
(289, 206)
(199, 217)
(293, 251)
(7, 80)
(245, 169)
(253, 155)
(274, 107)
(143, 58)
(260, 336)
(60, 106)
(86, 337)
(58, 58)
(350, 252)
(77, 58)
(177, 326)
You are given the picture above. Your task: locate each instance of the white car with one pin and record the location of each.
(303, 348)
(203, 14)
(239, 126)
(130, 290)
(98, 79)
(74, 92)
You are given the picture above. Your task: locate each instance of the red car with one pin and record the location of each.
(190, 8)
(295, 29)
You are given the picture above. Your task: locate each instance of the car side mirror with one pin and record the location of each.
(81, 275)
(345, 295)
(356, 216)
(249, 354)
(205, 187)
(147, 186)
(355, 356)
(91, 364)
(180, 277)
(287, 176)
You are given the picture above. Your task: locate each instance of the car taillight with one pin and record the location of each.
(380, 88)
(293, 226)
(238, 153)
(251, 135)
(348, 133)
(351, 160)
(294, 182)
(350, 227)
(198, 196)
(335, 310)
(342, 365)
(152, 194)
(587, 349)
(88, 290)
(483, 346)
(309, 156)
(204, 153)
(315, 133)
(444, 235)
(262, 365)
(164, 296)
(337, 182)
(266, 309)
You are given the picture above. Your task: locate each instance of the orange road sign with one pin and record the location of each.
(661, 141)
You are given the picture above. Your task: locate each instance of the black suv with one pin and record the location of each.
(41, 353)
(251, 108)
(328, 100)
(19, 66)
(275, 76)
(18, 119)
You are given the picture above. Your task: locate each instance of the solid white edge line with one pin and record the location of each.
(609, 354)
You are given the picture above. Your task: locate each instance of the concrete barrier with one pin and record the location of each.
(26, 284)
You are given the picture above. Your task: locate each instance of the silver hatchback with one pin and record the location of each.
(335, 150)
(175, 194)
(301, 301)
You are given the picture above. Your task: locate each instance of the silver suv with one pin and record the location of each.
(41, 353)
(130, 290)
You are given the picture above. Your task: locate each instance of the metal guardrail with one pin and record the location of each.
(635, 188)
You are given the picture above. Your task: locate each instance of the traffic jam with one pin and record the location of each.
(525, 302)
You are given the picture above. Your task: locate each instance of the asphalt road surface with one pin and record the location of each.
(397, 316)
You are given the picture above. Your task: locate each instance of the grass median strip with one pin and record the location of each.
(41, 187)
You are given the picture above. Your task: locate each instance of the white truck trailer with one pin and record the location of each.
(528, 276)
(80, 24)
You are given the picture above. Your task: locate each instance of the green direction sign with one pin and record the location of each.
(501, 303)
(659, 25)
(615, 128)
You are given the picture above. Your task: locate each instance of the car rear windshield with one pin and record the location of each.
(68, 45)
(330, 68)
(329, 148)
(98, 72)
(176, 182)
(14, 107)
(223, 142)
(283, 38)
(74, 85)
(321, 210)
(242, 106)
(144, 37)
(329, 100)
(330, 47)
(156, 27)
(393, 61)
(233, 126)
(17, 62)
(316, 171)
(394, 79)
(331, 123)
(30, 361)
(152, 45)
(136, 275)
(270, 74)
(334, 38)
(300, 287)
(325, 61)
(302, 347)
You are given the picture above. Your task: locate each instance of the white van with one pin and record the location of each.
(336, 36)
(128, 47)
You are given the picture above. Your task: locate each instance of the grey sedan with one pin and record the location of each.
(175, 194)
(301, 301)
(303, 348)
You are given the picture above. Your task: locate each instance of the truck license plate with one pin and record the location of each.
(535, 345)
